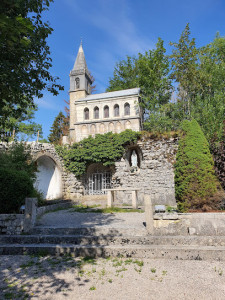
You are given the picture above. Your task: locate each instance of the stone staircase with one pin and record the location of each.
(103, 242)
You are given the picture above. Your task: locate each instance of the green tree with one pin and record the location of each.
(25, 57)
(149, 71)
(22, 129)
(209, 107)
(196, 185)
(57, 129)
(184, 69)
(125, 75)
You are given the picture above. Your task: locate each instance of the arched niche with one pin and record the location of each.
(102, 128)
(49, 178)
(139, 157)
(111, 127)
(127, 125)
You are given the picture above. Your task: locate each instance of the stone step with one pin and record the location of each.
(113, 240)
(40, 230)
(186, 252)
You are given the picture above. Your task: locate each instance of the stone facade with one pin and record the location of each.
(99, 113)
(155, 174)
(106, 119)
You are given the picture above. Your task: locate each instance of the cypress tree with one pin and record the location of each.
(196, 184)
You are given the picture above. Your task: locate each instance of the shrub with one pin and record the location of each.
(17, 175)
(15, 186)
(196, 185)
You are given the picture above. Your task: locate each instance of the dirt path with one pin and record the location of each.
(25, 277)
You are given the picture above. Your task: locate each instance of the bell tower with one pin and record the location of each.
(80, 86)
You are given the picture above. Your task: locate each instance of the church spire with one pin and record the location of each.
(80, 62)
(80, 78)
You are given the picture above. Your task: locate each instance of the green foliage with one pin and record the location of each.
(57, 129)
(149, 71)
(104, 148)
(15, 186)
(25, 57)
(17, 158)
(17, 175)
(184, 68)
(195, 180)
(21, 128)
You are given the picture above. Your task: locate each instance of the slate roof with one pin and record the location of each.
(122, 93)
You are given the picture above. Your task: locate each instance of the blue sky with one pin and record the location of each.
(112, 29)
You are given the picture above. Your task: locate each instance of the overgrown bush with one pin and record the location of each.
(196, 185)
(15, 186)
(103, 148)
(17, 175)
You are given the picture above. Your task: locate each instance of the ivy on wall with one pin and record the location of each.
(103, 148)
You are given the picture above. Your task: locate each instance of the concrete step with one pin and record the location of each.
(186, 252)
(40, 230)
(113, 240)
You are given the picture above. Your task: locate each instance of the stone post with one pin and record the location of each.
(149, 214)
(134, 199)
(109, 198)
(30, 213)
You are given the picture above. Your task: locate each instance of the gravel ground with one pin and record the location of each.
(26, 277)
(69, 218)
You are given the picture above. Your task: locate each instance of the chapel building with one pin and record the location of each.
(99, 113)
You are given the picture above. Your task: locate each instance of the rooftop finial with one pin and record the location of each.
(81, 41)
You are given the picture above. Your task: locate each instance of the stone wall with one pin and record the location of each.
(155, 174)
(11, 223)
(202, 224)
(71, 187)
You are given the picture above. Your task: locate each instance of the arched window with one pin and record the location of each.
(96, 112)
(116, 110)
(86, 114)
(77, 83)
(106, 111)
(126, 109)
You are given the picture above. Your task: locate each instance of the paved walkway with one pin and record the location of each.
(71, 219)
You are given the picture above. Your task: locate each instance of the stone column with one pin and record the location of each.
(109, 198)
(149, 214)
(134, 199)
(30, 213)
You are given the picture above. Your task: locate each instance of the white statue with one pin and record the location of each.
(134, 159)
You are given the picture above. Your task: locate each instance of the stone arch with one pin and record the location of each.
(126, 109)
(49, 176)
(77, 80)
(111, 127)
(118, 127)
(127, 125)
(93, 129)
(101, 128)
(86, 113)
(97, 179)
(84, 131)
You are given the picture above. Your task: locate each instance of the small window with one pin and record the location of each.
(77, 83)
(126, 109)
(86, 114)
(116, 110)
(96, 113)
(106, 111)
